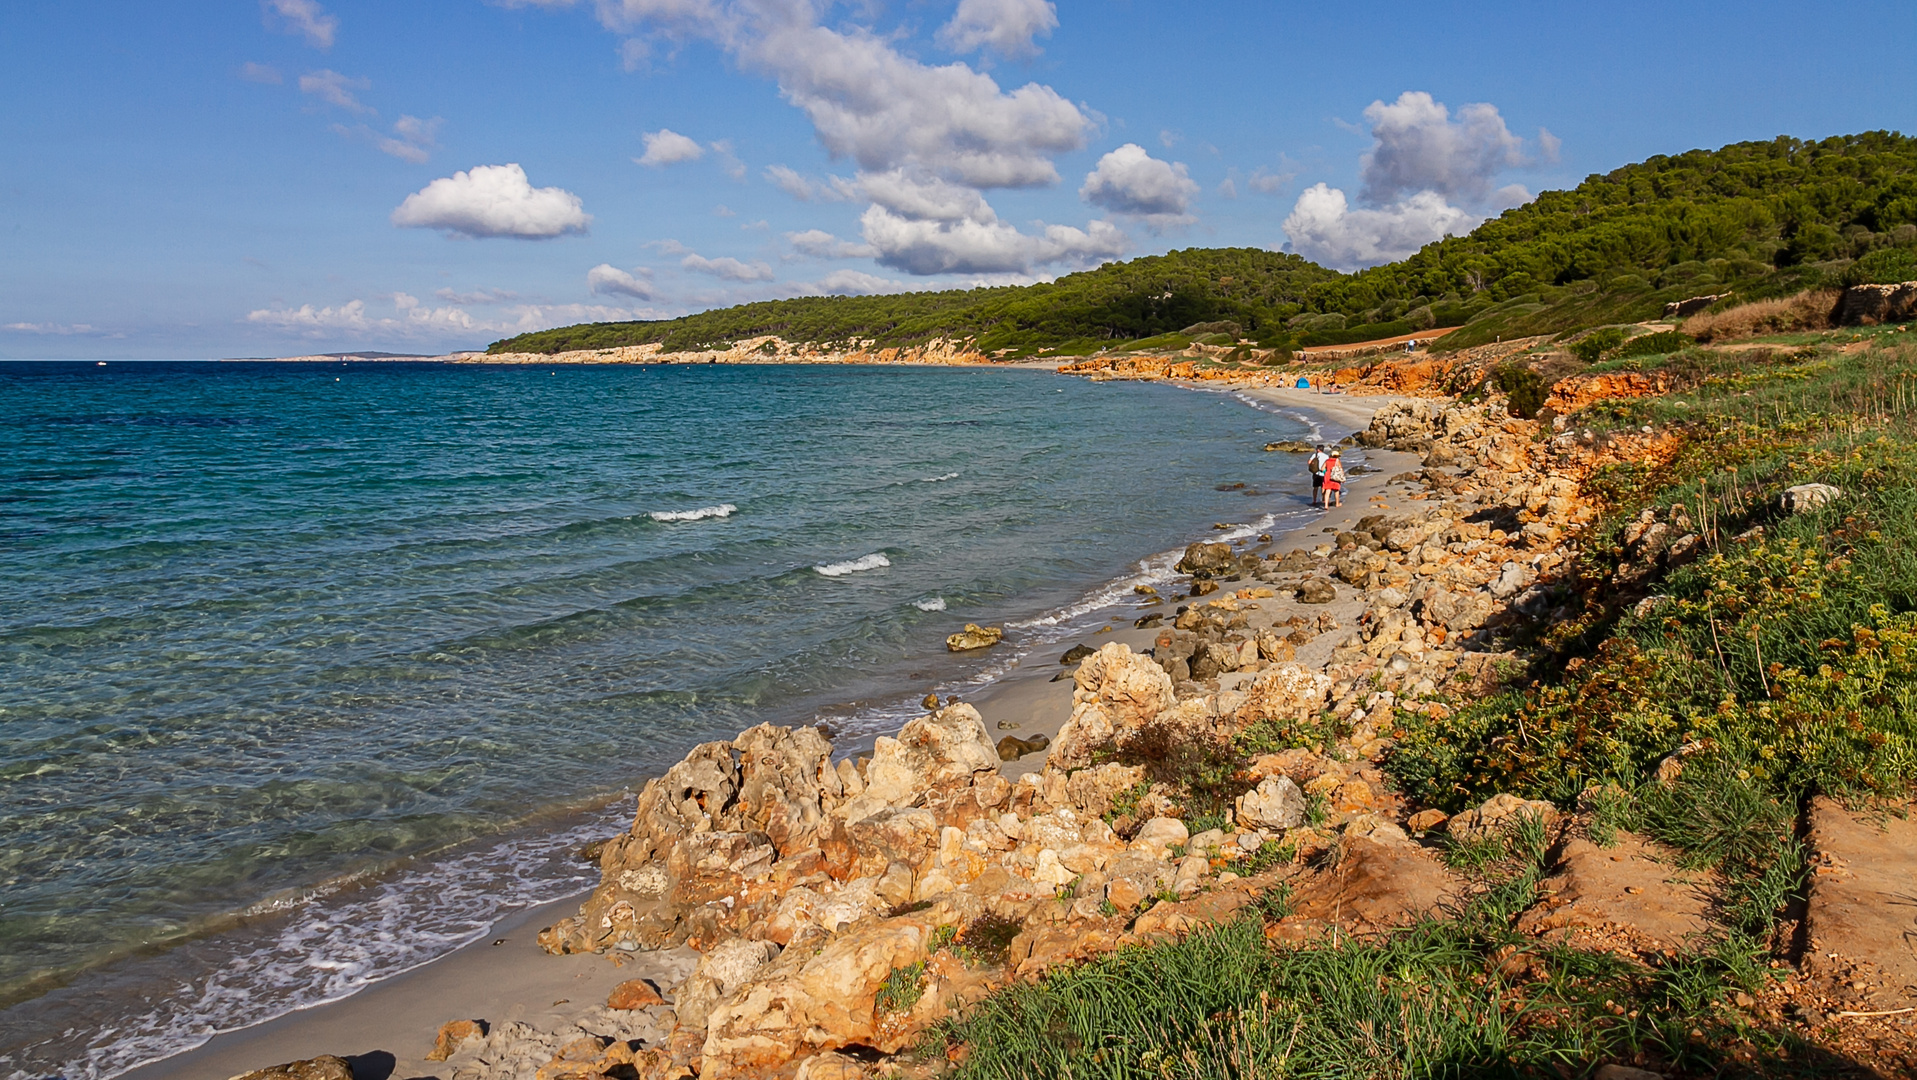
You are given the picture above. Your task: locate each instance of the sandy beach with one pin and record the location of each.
(388, 1029)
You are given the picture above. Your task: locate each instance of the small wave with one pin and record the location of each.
(853, 566)
(719, 511)
(936, 603)
(938, 479)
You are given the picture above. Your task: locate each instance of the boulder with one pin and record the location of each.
(324, 1067)
(715, 821)
(1317, 591)
(452, 1035)
(1275, 804)
(1115, 690)
(939, 752)
(974, 636)
(1159, 834)
(1499, 813)
(1206, 560)
(824, 1003)
(723, 969)
(1868, 305)
(1805, 497)
(633, 994)
(1284, 692)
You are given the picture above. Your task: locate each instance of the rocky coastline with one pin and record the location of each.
(794, 888)
(785, 911)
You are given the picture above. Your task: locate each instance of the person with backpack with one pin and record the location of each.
(1316, 464)
(1334, 480)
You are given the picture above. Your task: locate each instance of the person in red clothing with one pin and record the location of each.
(1335, 480)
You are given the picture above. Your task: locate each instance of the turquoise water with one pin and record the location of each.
(266, 627)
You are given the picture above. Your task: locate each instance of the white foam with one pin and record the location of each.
(936, 603)
(939, 479)
(719, 511)
(853, 566)
(339, 940)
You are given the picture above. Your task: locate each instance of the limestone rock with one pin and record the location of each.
(452, 1035)
(1498, 813)
(324, 1067)
(1284, 692)
(1317, 591)
(824, 1003)
(1158, 834)
(1803, 497)
(1115, 690)
(633, 994)
(941, 751)
(726, 967)
(974, 636)
(1206, 560)
(1276, 804)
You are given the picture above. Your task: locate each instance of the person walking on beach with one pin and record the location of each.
(1316, 464)
(1335, 480)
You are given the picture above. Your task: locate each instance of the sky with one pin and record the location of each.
(222, 178)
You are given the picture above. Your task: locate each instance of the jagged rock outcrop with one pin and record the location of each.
(1869, 305)
(1114, 690)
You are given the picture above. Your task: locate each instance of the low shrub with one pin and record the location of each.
(1525, 389)
(1595, 345)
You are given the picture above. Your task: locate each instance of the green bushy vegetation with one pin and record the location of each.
(1787, 648)
(1762, 219)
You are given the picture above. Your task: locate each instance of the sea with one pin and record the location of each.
(311, 671)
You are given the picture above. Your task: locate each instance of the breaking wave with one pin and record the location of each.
(853, 566)
(719, 511)
(936, 603)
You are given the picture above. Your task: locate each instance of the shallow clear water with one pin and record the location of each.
(268, 626)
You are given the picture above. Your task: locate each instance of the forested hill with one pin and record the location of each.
(1754, 218)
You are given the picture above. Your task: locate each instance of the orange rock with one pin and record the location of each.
(632, 994)
(452, 1034)
(1426, 820)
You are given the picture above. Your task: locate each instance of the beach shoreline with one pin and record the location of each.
(380, 1018)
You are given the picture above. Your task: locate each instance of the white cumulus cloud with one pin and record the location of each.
(493, 200)
(1132, 182)
(1005, 26)
(1325, 229)
(261, 73)
(1420, 147)
(668, 147)
(303, 17)
(982, 245)
(608, 279)
(1427, 175)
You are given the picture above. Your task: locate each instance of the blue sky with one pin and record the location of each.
(247, 178)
